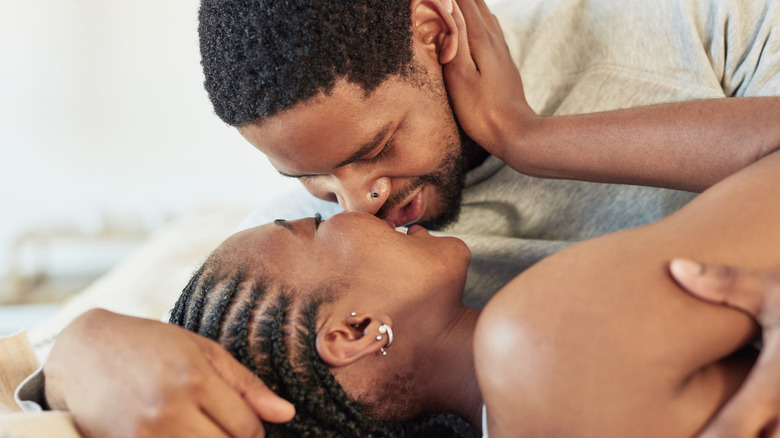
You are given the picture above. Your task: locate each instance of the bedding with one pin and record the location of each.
(149, 281)
(146, 284)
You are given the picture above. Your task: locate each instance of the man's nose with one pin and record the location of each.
(364, 195)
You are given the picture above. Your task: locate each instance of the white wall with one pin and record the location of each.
(102, 111)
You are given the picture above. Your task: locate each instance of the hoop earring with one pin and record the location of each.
(384, 328)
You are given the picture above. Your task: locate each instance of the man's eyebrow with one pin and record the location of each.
(364, 150)
(284, 224)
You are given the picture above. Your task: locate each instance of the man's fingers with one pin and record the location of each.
(754, 408)
(744, 290)
(266, 404)
(229, 410)
(269, 406)
(199, 425)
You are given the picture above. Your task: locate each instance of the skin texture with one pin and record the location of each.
(173, 395)
(372, 145)
(414, 285)
(545, 344)
(755, 292)
(688, 145)
(650, 377)
(613, 346)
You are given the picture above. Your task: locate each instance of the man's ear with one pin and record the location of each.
(341, 342)
(433, 25)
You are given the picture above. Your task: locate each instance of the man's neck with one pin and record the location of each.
(474, 156)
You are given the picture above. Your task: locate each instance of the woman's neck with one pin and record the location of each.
(449, 370)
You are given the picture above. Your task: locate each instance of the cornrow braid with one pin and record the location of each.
(271, 330)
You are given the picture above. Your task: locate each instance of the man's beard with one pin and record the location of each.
(447, 181)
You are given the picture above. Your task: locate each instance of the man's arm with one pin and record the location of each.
(131, 377)
(685, 145)
(756, 407)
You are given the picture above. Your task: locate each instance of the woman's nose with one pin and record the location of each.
(366, 197)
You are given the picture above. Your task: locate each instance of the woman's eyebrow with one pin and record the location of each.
(284, 224)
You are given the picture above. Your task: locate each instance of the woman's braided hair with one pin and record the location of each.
(271, 330)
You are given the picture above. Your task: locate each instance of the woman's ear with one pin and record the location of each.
(433, 25)
(341, 342)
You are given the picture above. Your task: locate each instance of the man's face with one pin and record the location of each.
(396, 153)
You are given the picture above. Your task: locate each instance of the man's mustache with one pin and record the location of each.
(396, 199)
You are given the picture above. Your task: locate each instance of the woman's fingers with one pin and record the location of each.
(462, 65)
(755, 409)
(474, 19)
(749, 291)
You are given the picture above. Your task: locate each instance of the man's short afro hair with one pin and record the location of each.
(260, 57)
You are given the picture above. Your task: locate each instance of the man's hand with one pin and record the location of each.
(128, 377)
(484, 83)
(755, 409)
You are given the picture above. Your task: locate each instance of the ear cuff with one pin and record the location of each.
(385, 329)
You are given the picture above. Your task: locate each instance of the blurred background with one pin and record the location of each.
(106, 134)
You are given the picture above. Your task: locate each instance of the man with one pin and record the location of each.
(384, 139)
(351, 100)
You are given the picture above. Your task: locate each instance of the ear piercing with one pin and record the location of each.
(384, 328)
(374, 194)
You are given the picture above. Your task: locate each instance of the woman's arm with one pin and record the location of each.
(598, 340)
(684, 145)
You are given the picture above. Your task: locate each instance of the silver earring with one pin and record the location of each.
(384, 328)
(374, 194)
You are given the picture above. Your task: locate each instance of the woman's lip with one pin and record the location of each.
(414, 229)
(412, 211)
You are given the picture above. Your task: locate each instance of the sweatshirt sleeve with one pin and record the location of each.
(744, 45)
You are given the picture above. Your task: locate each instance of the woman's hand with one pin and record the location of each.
(484, 84)
(129, 377)
(754, 411)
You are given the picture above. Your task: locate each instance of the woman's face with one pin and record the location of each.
(413, 282)
(363, 257)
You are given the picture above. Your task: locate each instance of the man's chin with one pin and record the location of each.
(441, 220)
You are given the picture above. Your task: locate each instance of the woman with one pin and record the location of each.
(363, 328)
(321, 295)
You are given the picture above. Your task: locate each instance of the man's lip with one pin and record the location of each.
(411, 211)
